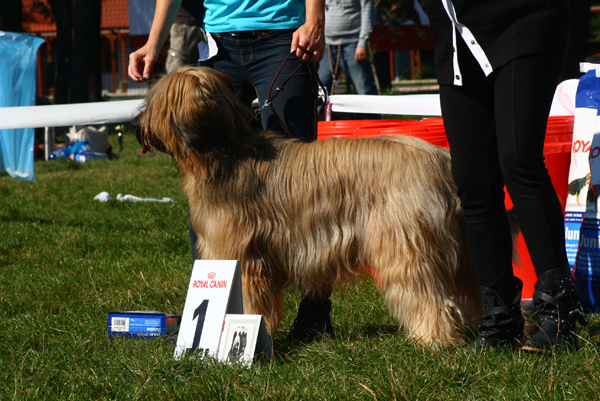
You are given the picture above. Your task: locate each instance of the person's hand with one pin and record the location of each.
(311, 37)
(141, 62)
(360, 55)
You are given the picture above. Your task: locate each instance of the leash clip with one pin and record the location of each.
(258, 110)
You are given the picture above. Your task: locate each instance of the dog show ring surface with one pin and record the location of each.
(557, 153)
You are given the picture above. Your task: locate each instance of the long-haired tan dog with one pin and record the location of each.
(311, 215)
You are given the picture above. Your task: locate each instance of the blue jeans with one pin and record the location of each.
(252, 61)
(361, 75)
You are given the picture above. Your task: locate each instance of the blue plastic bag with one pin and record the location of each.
(18, 55)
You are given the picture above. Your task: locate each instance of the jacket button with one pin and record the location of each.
(457, 77)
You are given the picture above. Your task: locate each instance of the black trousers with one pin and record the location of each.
(496, 127)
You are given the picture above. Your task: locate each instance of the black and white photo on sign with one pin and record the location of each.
(239, 332)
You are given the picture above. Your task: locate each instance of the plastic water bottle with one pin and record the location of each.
(60, 154)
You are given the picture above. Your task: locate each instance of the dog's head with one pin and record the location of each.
(192, 112)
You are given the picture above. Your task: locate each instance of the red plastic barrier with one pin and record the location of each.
(431, 130)
(557, 152)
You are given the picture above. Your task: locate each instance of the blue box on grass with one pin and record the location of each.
(143, 324)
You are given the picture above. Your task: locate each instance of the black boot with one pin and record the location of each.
(556, 306)
(501, 323)
(313, 320)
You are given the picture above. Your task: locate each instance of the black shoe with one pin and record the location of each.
(312, 321)
(501, 323)
(556, 306)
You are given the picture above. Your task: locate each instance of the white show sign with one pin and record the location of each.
(215, 290)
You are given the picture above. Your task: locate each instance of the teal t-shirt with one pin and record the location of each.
(250, 15)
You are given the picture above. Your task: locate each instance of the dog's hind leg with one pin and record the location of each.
(426, 313)
(418, 297)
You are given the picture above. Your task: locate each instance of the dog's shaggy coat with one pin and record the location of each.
(313, 214)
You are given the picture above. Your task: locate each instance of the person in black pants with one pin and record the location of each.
(498, 66)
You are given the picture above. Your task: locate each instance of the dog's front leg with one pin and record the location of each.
(262, 295)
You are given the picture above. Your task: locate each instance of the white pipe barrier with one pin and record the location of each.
(563, 103)
(414, 105)
(66, 115)
(120, 111)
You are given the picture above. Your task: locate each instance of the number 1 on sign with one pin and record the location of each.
(199, 313)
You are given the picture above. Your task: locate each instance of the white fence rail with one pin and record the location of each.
(124, 110)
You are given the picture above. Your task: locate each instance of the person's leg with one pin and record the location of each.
(175, 55)
(193, 241)
(230, 59)
(190, 44)
(524, 92)
(295, 107)
(469, 120)
(183, 49)
(259, 59)
(361, 75)
(296, 104)
(470, 129)
(327, 66)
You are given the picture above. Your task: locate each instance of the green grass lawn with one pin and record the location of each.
(67, 260)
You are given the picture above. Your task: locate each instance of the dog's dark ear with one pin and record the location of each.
(143, 135)
(135, 124)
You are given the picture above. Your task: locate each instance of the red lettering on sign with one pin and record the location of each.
(581, 146)
(209, 284)
(218, 284)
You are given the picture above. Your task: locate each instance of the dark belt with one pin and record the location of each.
(242, 34)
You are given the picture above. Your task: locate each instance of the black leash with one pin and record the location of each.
(272, 96)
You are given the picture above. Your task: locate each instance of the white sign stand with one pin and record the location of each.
(244, 336)
(215, 290)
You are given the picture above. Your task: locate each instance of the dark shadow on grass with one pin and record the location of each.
(284, 348)
(121, 225)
